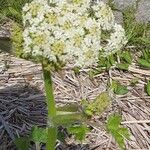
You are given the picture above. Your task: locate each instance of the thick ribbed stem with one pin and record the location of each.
(52, 131)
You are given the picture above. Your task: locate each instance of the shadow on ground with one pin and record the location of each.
(21, 108)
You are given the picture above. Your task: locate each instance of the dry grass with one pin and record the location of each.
(22, 102)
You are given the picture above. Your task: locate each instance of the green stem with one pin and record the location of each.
(37, 145)
(52, 131)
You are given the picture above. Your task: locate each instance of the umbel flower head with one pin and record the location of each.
(70, 30)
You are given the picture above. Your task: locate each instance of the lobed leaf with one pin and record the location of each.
(118, 88)
(118, 132)
(39, 135)
(100, 103)
(79, 131)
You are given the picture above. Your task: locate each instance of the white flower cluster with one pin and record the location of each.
(70, 30)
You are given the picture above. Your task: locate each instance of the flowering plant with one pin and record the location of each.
(68, 31)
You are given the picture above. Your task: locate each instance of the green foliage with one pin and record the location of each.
(123, 66)
(135, 31)
(125, 60)
(79, 131)
(118, 132)
(148, 88)
(106, 62)
(144, 60)
(17, 39)
(69, 108)
(129, 22)
(12, 9)
(144, 63)
(65, 118)
(118, 88)
(93, 72)
(98, 106)
(126, 57)
(39, 135)
(61, 136)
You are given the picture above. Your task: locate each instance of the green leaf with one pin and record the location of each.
(143, 40)
(101, 102)
(113, 122)
(79, 131)
(61, 136)
(144, 63)
(94, 71)
(111, 59)
(119, 139)
(148, 88)
(65, 118)
(22, 143)
(123, 66)
(39, 135)
(146, 54)
(69, 108)
(118, 132)
(14, 12)
(89, 111)
(121, 90)
(17, 39)
(118, 88)
(106, 62)
(13, 9)
(124, 132)
(127, 57)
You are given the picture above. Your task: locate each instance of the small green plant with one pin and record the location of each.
(73, 117)
(37, 135)
(144, 60)
(107, 62)
(104, 64)
(136, 32)
(17, 39)
(53, 39)
(117, 131)
(126, 57)
(101, 102)
(12, 9)
(118, 88)
(79, 131)
(125, 60)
